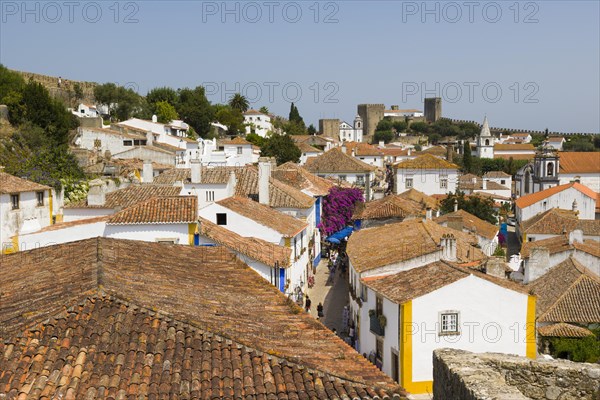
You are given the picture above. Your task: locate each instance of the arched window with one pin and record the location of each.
(527, 180)
(550, 169)
(487, 142)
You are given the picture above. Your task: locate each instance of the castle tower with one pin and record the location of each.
(433, 109)
(330, 128)
(545, 169)
(370, 114)
(485, 141)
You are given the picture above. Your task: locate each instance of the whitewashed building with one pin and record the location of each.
(103, 140)
(257, 122)
(486, 233)
(86, 111)
(411, 294)
(352, 133)
(572, 196)
(25, 206)
(427, 174)
(582, 167)
(485, 141)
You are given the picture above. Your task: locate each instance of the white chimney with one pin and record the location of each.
(448, 244)
(574, 205)
(344, 148)
(474, 180)
(154, 118)
(97, 194)
(147, 172)
(353, 153)
(264, 175)
(576, 236)
(196, 172)
(537, 264)
(409, 151)
(149, 138)
(455, 205)
(231, 184)
(428, 213)
(484, 186)
(381, 144)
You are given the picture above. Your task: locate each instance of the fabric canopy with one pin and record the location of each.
(340, 235)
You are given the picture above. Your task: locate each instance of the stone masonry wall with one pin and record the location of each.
(462, 375)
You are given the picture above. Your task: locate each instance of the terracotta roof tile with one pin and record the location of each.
(336, 161)
(557, 221)
(216, 175)
(159, 210)
(496, 174)
(299, 178)
(260, 250)
(12, 184)
(533, 198)
(515, 156)
(568, 292)
(376, 247)
(234, 141)
(420, 197)
(470, 222)
(307, 148)
(285, 224)
(579, 162)
(122, 318)
(564, 330)
(508, 147)
(588, 246)
(439, 151)
(416, 282)
(556, 244)
(362, 149)
(130, 195)
(64, 225)
(393, 206)
(426, 161)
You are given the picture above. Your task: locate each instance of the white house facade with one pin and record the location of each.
(257, 122)
(427, 174)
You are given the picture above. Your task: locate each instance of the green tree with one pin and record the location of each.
(239, 102)
(579, 143)
(294, 128)
(586, 349)
(467, 158)
(399, 126)
(468, 130)
(165, 112)
(386, 136)
(537, 140)
(481, 207)
(233, 119)
(384, 125)
(161, 94)
(195, 109)
(264, 110)
(311, 130)
(295, 116)
(123, 103)
(255, 139)
(282, 147)
(420, 127)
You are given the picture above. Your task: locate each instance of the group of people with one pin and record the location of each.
(308, 303)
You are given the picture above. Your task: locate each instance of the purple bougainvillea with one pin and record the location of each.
(338, 207)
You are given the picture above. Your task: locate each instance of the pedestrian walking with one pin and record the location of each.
(320, 310)
(307, 304)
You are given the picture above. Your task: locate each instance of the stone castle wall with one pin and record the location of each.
(462, 375)
(66, 90)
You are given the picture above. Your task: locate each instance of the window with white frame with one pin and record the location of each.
(239, 149)
(360, 180)
(449, 323)
(408, 182)
(14, 199)
(210, 195)
(443, 182)
(40, 198)
(342, 177)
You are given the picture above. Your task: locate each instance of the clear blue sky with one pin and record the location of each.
(543, 56)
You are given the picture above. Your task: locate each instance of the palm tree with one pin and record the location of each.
(264, 110)
(239, 102)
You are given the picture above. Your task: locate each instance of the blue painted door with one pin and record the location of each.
(282, 280)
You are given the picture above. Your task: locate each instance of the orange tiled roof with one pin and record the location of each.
(589, 246)
(579, 162)
(564, 330)
(260, 250)
(307, 148)
(556, 244)
(336, 161)
(130, 195)
(471, 222)
(393, 206)
(299, 178)
(557, 222)
(287, 225)
(526, 201)
(64, 225)
(159, 210)
(12, 184)
(426, 161)
(362, 149)
(568, 292)
(164, 320)
(236, 140)
(496, 174)
(420, 197)
(376, 247)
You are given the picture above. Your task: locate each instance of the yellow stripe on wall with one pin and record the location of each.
(530, 338)
(406, 355)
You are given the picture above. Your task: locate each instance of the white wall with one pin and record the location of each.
(109, 140)
(591, 180)
(201, 190)
(29, 216)
(563, 200)
(492, 319)
(589, 261)
(58, 236)
(427, 181)
(75, 214)
(402, 265)
(149, 232)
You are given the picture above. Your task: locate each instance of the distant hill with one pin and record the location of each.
(66, 91)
